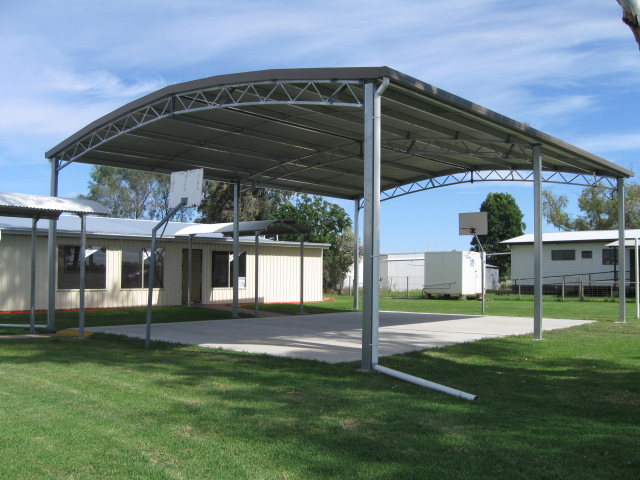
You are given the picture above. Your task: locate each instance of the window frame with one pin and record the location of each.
(563, 255)
(140, 268)
(612, 253)
(224, 279)
(91, 267)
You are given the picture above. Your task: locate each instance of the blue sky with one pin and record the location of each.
(570, 69)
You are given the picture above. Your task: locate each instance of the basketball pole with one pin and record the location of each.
(483, 268)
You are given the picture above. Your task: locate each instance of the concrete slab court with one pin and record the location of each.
(336, 337)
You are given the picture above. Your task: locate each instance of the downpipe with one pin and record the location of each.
(425, 383)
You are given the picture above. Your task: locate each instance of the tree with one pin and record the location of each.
(132, 193)
(599, 206)
(330, 224)
(504, 221)
(255, 203)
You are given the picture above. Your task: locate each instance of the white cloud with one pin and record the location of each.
(547, 63)
(96, 83)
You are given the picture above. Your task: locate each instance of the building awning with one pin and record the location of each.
(262, 227)
(46, 208)
(628, 242)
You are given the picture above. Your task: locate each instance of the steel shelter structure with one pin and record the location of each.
(367, 134)
(37, 208)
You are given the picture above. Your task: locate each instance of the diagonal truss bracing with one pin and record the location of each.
(498, 176)
(319, 93)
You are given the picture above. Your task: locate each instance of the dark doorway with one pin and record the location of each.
(196, 275)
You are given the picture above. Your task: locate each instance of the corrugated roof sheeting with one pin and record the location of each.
(126, 227)
(25, 205)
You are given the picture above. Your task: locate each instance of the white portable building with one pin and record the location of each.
(452, 273)
(400, 272)
(117, 261)
(570, 257)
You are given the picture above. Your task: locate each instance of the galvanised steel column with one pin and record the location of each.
(83, 256)
(190, 271)
(622, 267)
(236, 249)
(256, 283)
(356, 256)
(32, 308)
(372, 153)
(637, 280)
(537, 242)
(301, 275)
(51, 311)
(370, 292)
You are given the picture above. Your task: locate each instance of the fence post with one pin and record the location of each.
(581, 290)
(407, 286)
(563, 279)
(519, 291)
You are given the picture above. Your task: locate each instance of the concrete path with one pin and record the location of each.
(336, 337)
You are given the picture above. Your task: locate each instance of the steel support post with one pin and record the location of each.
(483, 261)
(637, 280)
(371, 261)
(256, 283)
(51, 309)
(190, 271)
(236, 248)
(356, 255)
(301, 274)
(537, 242)
(32, 308)
(622, 267)
(83, 256)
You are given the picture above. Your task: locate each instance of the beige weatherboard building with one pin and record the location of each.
(117, 266)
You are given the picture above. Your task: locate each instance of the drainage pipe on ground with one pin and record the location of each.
(424, 383)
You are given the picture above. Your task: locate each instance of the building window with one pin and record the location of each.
(587, 254)
(563, 254)
(135, 268)
(609, 256)
(222, 269)
(95, 267)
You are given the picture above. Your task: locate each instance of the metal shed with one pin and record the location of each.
(367, 134)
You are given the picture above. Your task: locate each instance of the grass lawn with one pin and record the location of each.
(591, 309)
(119, 316)
(563, 408)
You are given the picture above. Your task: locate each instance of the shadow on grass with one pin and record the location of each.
(553, 409)
(120, 316)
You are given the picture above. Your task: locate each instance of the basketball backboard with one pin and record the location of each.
(186, 184)
(474, 223)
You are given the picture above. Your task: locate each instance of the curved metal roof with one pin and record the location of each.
(302, 130)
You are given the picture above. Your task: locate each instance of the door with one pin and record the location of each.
(196, 275)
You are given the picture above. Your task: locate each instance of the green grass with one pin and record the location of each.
(119, 316)
(563, 408)
(591, 309)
